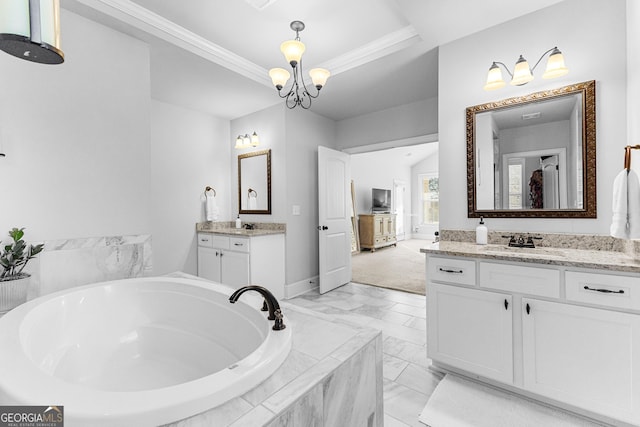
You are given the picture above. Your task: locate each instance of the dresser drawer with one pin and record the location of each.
(603, 289)
(451, 270)
(204, 240)
(239, 244)
(520, 279)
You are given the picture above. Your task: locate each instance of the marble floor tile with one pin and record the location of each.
(392, 367)
(417, 323)
(410, 309)
(382, 314)
(389, 421)
(403, 403)
(405, 350)
(419, 378)
(405, 333)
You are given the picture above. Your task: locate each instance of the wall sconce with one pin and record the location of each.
(523, 74)
(247, 141)
(31, 30)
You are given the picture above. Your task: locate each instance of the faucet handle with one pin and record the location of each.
(279, 324)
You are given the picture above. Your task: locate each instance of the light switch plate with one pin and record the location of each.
(296, 210)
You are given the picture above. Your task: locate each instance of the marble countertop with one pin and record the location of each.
(596, 259)
(229, 229)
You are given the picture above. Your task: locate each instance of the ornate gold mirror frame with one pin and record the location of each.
(588, 154)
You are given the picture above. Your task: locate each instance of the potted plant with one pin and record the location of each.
(13, 259)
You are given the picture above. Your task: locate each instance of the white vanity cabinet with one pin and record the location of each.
(242, 260)
(568, 335)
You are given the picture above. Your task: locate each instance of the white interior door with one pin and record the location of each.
(399, 189)
(334, 218)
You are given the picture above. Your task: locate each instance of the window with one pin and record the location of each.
(430, 198)
(516, 170)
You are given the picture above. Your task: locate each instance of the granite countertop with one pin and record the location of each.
(229, 229)
(596, 259)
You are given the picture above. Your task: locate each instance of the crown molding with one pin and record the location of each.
(154, 24)
(151, 23)
(386, 45)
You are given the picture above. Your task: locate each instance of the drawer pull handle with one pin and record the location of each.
(506, 304)
(446, 270)
(528, 308)
(604, 291)
(239, 244)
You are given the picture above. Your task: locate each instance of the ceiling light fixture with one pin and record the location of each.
(247, 141)
(298, 93)
(31, 30)
(523, 74)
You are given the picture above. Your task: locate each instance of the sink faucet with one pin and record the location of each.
(520, 242)
(270, 302)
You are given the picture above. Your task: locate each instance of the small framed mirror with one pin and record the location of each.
(533, 156)
(254, 182)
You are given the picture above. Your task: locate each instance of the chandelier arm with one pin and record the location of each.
(304, 85)
(550, 50)
(505, 67)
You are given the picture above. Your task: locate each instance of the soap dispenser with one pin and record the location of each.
(238, 222)
(481, 233)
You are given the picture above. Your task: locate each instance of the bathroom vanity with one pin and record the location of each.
(558, 325)
(238, 257)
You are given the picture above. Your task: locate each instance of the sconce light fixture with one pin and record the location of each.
(523, 74)
(30, 29)
(298, 93)
(247, 141)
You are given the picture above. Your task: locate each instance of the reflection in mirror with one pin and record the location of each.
(533, 156)
(254, 182)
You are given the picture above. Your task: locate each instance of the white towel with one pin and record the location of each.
(633, 203)
(252, 202)
(211, 208)
(625, 223)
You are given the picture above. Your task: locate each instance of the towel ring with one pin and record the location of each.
(209, 189)
(627, 155)
(251, 190)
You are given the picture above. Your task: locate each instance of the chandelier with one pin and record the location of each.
(298, 93)
(522, 74)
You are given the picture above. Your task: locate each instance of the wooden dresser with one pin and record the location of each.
(377, 231)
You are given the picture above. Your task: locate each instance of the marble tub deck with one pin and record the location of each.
(332, 377)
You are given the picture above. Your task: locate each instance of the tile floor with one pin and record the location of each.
(401, 317)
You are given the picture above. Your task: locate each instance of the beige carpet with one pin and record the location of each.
(401, 267)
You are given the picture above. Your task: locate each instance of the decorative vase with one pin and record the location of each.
(13, 292)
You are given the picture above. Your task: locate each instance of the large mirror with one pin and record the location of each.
(533, 156)
(254, 182)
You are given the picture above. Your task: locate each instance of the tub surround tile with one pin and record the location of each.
(354, 345)
(255, 417)
(222, 415)
(317, 337)
(75, 262)
(294, 365)
(307, 411)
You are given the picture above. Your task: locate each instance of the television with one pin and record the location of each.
(381, 200)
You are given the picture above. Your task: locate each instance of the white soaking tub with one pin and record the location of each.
(145, 351)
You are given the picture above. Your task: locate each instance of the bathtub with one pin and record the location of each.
(145, 351)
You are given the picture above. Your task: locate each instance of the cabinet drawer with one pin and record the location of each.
(520, 279)
(239, 244)
(452, 270)
(204, 240)
(603, 289)
(219, 242)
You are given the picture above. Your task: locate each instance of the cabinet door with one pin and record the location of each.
(583, 356)
(378, 226)
(235, 268)
(209, 263)
(471, 330)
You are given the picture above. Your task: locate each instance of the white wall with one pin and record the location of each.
(600, 27)
(402, 122)
(189, 151)
(76, 137)
(633, 79)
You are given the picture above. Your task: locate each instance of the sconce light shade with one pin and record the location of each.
(239, 142)
(555, 65)
(30, 29)
(293, 50)
(254, 140)
(494, 78)
(279, 77)
(521, 73)
(319, 77)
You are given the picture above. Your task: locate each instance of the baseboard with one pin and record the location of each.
(420, 236)
(292, 290)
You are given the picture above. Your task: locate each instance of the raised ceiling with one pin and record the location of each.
(213, 56)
